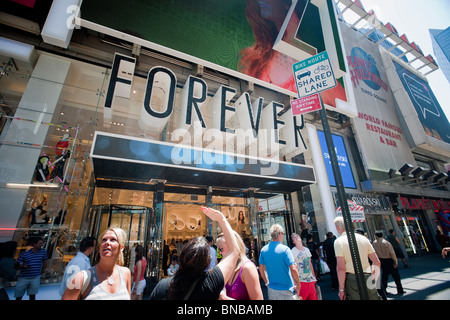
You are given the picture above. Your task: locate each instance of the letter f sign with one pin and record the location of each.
(121, 79)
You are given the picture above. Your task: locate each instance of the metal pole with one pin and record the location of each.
(359, 272)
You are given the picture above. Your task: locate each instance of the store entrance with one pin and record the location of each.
(269, 218)
(134, 220)
(184, 220)
(414, 232)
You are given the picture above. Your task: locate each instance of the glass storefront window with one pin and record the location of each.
(414, 234)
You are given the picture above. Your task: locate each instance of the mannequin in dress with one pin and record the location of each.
(42, 171)
(60, 162)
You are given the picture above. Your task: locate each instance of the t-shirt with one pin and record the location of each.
(303, 263)
(208, 288)
(342, 249)
(34, 261)
(277, 258)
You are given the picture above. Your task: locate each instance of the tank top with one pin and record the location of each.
(144, 265)
(237, 290)
(98, 293)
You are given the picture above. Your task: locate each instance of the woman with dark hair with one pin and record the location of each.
(139, 274)
(192, 280)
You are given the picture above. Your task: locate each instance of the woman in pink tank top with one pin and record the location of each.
(139, 274)
(244, 285)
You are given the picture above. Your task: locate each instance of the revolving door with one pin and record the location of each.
(137, 221)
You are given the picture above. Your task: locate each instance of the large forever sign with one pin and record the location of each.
(256, 123)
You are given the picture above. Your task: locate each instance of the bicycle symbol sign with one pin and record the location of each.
(314, 75)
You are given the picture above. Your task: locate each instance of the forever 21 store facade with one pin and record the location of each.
(141, 137)
(148, 177)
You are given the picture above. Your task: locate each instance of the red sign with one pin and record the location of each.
(305, 105)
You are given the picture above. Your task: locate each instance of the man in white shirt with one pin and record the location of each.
(348, 288)
(79, 262)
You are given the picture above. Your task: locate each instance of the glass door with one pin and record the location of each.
(134, 220)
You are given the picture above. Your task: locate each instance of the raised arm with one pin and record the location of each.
(228, 263)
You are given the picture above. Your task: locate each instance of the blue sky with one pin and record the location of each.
(414, 18)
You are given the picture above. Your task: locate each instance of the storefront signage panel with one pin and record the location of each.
(377, 127)
(129, 158)
(234, 36)
(370, 202)
(423, 204)
(435, 123)
(256, 125)
(342, 157)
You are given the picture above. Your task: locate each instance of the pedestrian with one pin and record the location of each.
(165, 261)
(305, 269)
(173, 265)
(193, 281)
(244, 283)
(330, 258)
(444, 252)
(80, 262)
(212, 252)
(441, 239)
(7, 266)
(108, 279)
(315, 254)
(140, 266)
(278, 261)
(32, 264)
(348, 288)
(389, 263)
(392, 238)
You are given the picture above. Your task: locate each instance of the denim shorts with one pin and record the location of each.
(27, 284)
(140, 287)
(280, 294)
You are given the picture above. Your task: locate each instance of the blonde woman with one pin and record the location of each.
(244, 282)
(108, 279)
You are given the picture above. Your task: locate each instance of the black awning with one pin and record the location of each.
(126, 158)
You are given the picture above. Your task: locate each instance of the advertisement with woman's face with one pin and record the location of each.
(236, 37)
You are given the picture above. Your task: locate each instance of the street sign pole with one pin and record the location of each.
(312, 76)
(359, 272)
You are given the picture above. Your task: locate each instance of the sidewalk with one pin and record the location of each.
(428, 279)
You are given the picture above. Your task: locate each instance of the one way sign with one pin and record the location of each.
(314, 75)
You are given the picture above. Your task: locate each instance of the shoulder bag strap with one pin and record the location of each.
(188, 294)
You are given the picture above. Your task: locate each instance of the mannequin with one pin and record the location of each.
(42, 171)
(63, 143)
(60, 162)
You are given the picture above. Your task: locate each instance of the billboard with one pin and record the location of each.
(342, 157)
(378, 131)
(234, 36)
(433, 119)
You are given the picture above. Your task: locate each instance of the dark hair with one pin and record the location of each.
(379, 234)
(87, 243)
(139, 253)
(194, 260)
(34, 240)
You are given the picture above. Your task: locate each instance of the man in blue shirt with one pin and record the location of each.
(278, 261)
(32, 264)
(78, 263)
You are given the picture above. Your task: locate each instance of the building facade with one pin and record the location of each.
(128, 123)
